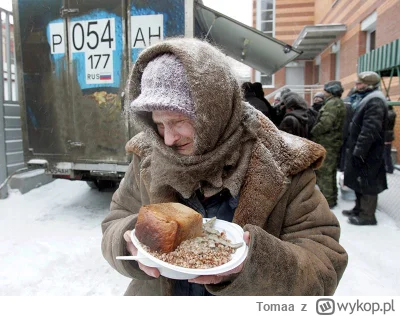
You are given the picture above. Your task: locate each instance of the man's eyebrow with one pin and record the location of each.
(173, 120)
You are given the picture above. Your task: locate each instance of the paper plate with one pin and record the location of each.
(233, 232)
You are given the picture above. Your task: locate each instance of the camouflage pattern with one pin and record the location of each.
(328, 132)
(326, 177)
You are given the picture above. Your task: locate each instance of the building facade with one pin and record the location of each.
(335, 37)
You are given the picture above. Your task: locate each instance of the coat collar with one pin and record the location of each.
(276, 156)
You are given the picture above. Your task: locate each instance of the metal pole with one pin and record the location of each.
(390, 81)
(3, 161)
(15, 65)
(8, 56)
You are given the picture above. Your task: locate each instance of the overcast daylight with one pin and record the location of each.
(301, 150)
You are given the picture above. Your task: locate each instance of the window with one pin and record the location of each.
(369, 26)
(370, 41)
(335, 49)
(317, 69)
(266, 24)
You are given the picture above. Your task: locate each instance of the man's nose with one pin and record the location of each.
(170, 137)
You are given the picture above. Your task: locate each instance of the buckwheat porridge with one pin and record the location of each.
(210, 250)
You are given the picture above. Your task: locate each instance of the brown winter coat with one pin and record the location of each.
(294, 247)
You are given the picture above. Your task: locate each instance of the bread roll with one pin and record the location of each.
(163, 226)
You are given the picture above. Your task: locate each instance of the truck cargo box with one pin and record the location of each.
(73, 60)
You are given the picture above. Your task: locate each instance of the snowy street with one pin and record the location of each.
(51, 236)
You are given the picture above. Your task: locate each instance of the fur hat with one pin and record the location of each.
(293, 100)
(334, 87)
(164, 87)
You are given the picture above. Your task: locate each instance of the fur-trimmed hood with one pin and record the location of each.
(276, 156)
(290, 154)
(224, 125)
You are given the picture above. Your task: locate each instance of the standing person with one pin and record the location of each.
(318, 101)
(259, 91)
(250, 96)
(328, 132)
(348, 102)
(279, 107)
(365, 166)
(389, 138)
(203, 146)
(295, 121)
(313, 111)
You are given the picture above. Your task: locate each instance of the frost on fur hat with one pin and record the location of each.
(164, 87)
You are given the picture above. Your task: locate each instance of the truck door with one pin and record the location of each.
(151, 21)
(97, 73)
(45, 97)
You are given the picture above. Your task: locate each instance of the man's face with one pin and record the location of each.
(277, 101)
(318, 100)
(361, 86)
(176, 129)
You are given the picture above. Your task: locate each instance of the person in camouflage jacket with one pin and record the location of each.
(327, 132)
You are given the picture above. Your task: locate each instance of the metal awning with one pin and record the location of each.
(241, 42)
(313, 39)
(385, 60)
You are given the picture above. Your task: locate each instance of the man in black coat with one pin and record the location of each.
(389, 138)
(365, 166)
(250, 96)
(259, 91)
(295, 120)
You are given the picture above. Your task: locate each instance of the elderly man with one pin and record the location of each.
(364, 170)
(203, 146)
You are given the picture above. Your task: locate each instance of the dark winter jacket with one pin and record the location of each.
(318, 106)
(296, 123)
(312, 115)
(365, 144)
(258, 90)
(389, 133)
(222, 206)
(257, 103)
(346, 126)
(329, 127)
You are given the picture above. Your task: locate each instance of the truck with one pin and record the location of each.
(73, 60)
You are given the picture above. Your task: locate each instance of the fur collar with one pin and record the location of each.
(276, 156)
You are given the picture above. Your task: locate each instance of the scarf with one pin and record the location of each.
(357, 97)
(225, 126)
(223, 167)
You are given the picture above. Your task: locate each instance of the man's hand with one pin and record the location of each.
(153, 272)
(218, 278)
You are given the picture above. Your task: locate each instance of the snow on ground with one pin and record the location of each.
(50, 242)
(51, 236)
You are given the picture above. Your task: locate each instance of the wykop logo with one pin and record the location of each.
(325, 306)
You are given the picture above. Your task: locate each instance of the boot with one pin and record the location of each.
(332, 204)
(357, 220)
(352, 212)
